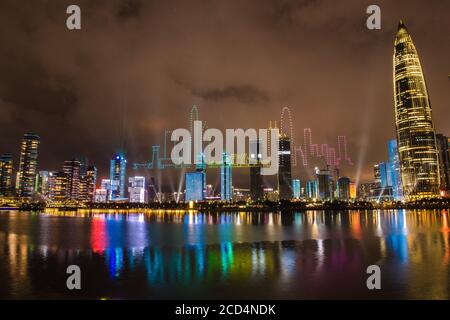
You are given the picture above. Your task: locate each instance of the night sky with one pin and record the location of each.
(137, 67)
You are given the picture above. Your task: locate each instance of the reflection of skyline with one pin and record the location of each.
(413, 246)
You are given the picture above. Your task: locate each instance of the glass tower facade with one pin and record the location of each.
(6, 171)
(415, 132)
(117, 174)
(256, 180)
(397, 190)
(26, 176)
(194, 186)
(284, 168)
(226, 178)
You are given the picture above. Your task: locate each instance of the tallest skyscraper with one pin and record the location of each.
(415, 132)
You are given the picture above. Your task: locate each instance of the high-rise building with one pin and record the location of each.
(256, 180)
(376, 173)
(352, 190)
(394, 163)
(59, 192)
(26, 176)
(415, 132)
(153, 190)
(117, 172)
(296, 188)
(324, 184)
(343, 188)
(200, 166)
(385, 174)
(226, 183)
(72, 171)
(311, 189)
(6, 171)
(194, 186)
(284, 168)
(91, 182)
(43, 187)
(137, 189)
(444, 163)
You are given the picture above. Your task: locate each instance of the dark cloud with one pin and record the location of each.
(136, 68)
(129, 8)
(244, 93)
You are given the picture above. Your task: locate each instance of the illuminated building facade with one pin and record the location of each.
(59, 192)
(311, 189)
(396, 180)
(6, 171)
(72, 171)
(296, 188)
(136, 189)
(444, 163)
(256, 180)
(385, 174)
(415, 132)
(376, 173)
(117, 173)
(26, 176)
(343, 188)
(284, 168)
(194, 186)
(43, 183)
(226, 184)
(324, 184)
(91, 182)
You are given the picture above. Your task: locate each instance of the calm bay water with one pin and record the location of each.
(168, 255)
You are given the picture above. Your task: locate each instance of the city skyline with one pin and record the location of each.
(129, 107)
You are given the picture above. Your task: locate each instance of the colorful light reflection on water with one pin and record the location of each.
(225, 255)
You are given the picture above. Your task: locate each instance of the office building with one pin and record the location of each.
(284, 168)
(226, 183)
(396, 179)
(256, 180)
(324, 184)
(417, 150)
(296, 188)
(72, 171)
(26, 176)
(117, 174)
(343, 188)
(6, 172)
(137, 190)
(444, 163)
(194, 186)
(311, 189)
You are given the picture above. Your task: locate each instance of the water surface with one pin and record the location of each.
(171, 255)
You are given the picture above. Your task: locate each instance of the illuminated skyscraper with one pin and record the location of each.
(26, 176)
(6, 169)
(256, 181)
(394, 163)
(117, 173)
(59, 192)
(296, 188)
(194, 186)
(284, 168)
(137, 190)
(72, 171)
(444, 162)
(226, 178)
(324, 184)
(385, 174)
(311, 189)
(415, 132)
(343, 188)
(91, 183)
